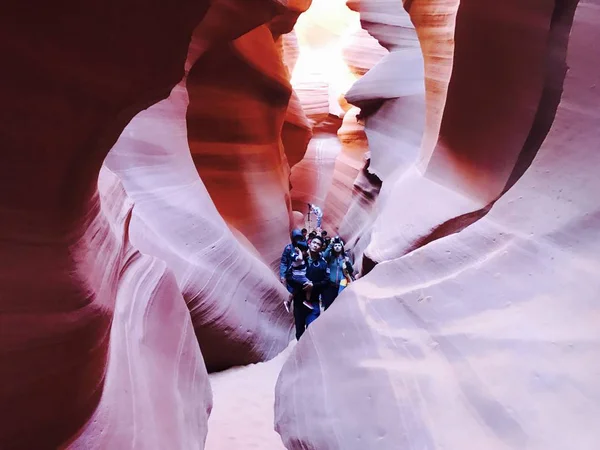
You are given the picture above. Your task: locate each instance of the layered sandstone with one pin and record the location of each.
(91, 326)
(154, 363)
(234, 298)
(239, 94)
(67, 93)
(335, 52)
(520, 57)
(486, 338)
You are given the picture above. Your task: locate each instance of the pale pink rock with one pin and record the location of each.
(362, 52)
(234, 298)
(96, 346)
(391, 93)
(487, 338)
(478, 129)
(311, 179)
(154, 359)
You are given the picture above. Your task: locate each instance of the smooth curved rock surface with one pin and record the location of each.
(392, 94)
(481, 131)
(296, 132)
(349, 162)
(71, 281)
(337, 152)
(362, 52)
(154, 360)
(487, 338)
(68, 90)
(239, 95)
(234, 298)
(312, 177)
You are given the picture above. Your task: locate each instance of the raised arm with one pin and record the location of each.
(327, 253)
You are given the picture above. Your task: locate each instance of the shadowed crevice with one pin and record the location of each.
(556, 71)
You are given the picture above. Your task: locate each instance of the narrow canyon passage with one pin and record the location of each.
(326, 40)
(243, 406)
(153, 161)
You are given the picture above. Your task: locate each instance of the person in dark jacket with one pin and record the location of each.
(304, 233)
(296, 277)
(317, 273)
(287, 256)
(340, 268)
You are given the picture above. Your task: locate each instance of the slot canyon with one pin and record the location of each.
(155, 157)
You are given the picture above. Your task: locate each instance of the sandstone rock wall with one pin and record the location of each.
(234, 298)
(68, 90)
(338, 54)
(486, 338)
(239, 94)
(154, 363)
(505, 64)
(91, 327)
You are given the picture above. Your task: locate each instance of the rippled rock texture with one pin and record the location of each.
(335, 52)
(98, 348)
(239, 94)
(486, 337)
(233, 297)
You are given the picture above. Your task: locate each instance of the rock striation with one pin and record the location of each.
(96, 342)
(234, 298)
(485, 338)
(239, 94)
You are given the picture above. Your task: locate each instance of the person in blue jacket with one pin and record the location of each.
(340, 268)
(287, 257)
(317, 274)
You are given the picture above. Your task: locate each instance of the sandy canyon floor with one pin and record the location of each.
(243, 399)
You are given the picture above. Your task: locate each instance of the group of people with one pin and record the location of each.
(315, 269)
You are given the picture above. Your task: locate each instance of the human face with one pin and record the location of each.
(315, 246)
(337, 248)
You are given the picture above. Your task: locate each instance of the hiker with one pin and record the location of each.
(326, 239)
(297, 277)
(286, 256)
(340, 271)
(306, 308)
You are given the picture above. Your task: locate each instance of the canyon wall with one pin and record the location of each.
(335, 52)
(239, 94)
(235, 299)
(68, 90)
(478, 327)
(97, 342)
(391, 97)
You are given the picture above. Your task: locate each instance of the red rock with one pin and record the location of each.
(348, 164)
(68, 90)
(238, 100)
(362, 52)
(235, 299)
(72, 282)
